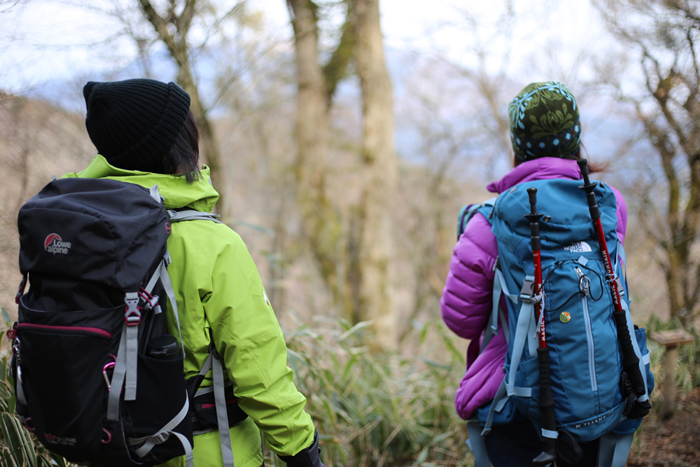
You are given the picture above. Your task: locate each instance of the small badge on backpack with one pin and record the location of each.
(565, 317)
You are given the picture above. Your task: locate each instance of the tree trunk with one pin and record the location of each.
(380, 176)
(311, 136)
(322, 226)
(179, 50)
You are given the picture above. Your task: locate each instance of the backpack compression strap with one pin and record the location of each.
(213, 362)
(149, 442)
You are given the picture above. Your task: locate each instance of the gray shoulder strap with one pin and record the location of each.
(192, 215)
(477, 444)
(221, 410)
(614, 449)
(155, 194)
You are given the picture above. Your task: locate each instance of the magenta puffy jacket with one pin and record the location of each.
(466, 298)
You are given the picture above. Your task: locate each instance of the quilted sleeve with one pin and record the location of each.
(621, 215)
(466, 298)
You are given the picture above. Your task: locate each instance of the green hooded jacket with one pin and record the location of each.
(218, 287)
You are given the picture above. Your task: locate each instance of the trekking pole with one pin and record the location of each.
(546, 404)
(630, 359)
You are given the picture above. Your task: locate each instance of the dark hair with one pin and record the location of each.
(183, 156)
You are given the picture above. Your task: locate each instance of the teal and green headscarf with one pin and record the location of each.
(544, 122)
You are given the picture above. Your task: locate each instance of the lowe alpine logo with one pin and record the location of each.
(60, 441)
(54, 244)
(578, 247)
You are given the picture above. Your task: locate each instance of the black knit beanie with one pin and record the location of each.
(134, 123)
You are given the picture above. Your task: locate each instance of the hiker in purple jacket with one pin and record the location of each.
(466, 299)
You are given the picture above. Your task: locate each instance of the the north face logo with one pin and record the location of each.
(578, 247)
(54, 244)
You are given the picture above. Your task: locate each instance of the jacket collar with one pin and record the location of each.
(538, 169)
(177, 193)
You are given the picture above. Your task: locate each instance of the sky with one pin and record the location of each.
(44, 52)
(44, 40)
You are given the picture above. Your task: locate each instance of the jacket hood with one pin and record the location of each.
(538, 169)
(200, 195)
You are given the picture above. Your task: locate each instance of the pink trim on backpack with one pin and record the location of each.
(99, 331)
(211, 406)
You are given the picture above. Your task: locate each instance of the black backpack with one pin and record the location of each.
(98, 379)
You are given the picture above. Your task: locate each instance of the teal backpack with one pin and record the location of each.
(585, 355)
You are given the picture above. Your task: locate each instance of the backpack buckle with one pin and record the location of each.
(617, 280)
(527, 293)
(132, 316)
(160, 438)
(133, 319)
(620, 288)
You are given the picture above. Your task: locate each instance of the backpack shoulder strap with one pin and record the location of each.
(614, 449)
(468, 211)
(213, 363)
(192, 215)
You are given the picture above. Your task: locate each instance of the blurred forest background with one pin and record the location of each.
(343, 159)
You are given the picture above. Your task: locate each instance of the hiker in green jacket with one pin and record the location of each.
(145, 134)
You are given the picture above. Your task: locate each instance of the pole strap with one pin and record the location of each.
(117, 383)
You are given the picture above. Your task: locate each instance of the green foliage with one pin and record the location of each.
(380, 409)
(18, 447)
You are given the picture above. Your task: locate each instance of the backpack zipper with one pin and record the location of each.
(584, 286)
(45, 327)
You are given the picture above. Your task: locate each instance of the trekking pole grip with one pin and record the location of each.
(534, 217)
(532, 196)
(589, 188)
